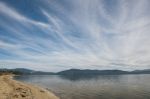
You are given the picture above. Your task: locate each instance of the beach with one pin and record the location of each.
(12, 89)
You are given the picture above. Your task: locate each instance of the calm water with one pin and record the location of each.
(100, 87)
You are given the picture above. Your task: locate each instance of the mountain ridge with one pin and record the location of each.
(75, 72)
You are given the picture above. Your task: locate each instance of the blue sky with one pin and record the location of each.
(54, 35)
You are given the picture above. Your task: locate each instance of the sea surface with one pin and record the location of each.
(95, 87)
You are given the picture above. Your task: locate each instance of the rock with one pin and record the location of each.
(42, 91)
(23, 95)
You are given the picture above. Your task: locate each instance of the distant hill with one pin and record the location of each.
(23, 71)
(101, 72)
(145, 71)
(74, 72)
(91, 72)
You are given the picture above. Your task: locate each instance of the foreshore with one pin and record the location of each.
(12, 89)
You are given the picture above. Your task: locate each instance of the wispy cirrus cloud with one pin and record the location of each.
(97, 34)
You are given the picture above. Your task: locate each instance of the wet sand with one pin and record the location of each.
(12, 89)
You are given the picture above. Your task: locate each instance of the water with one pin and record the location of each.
(100, 87)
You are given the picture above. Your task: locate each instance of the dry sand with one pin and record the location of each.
(11, 89)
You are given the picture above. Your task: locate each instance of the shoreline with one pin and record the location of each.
(13, 89)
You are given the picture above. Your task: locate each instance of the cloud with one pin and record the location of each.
(94, 34)
(10, 12)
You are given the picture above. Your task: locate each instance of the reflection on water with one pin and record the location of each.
(94, 87)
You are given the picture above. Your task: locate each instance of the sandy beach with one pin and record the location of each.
(12, 89)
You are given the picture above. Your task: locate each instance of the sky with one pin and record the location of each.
(55, 35)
